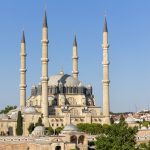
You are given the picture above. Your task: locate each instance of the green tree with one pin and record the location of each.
(122, 119)
(144, 146)
(58, 130)
(145, 124)
(7, 109)
(39, 123)
(31, 128)
(111, 120)
(90, 128)
(117, 137)
(19, 129)
(49, 130)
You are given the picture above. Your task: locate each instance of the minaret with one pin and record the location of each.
(75, 58)
(44, 78)
(105, 80)
(23, 72)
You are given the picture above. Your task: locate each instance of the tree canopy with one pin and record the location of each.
(117, 137)
(7, 109)
(90, 128)
(39, 123)
(19, 129)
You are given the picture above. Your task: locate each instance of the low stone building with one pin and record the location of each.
(69, 138)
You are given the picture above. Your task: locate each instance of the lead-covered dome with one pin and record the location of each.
(63, 79)
(38, 131)
(70, 128)
(29, 110)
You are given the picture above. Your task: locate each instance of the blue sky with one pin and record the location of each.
(129, 38)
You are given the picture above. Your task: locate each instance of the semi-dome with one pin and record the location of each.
(29, 110)
(64, 79)
(70, 128)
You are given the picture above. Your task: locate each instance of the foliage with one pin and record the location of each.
(90, 128)
(122, 119)
(19, 129)
(145, 124)
(144, 146)
(49, 130)
(111, 120)
(117, 137)
(39, 123)
(7, 109)
(58, 130)
(31, 128)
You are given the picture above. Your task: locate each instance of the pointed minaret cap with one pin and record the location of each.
(75, 41)
(45, 21)
(105, 25)
(23, 38)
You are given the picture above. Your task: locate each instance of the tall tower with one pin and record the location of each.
(23, 72)
(44, 78)
(105, 80)
(75, 58)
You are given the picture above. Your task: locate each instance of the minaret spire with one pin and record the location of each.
(23, 72)
(45, 20)
(75, 58)
(105, 25)
(44, 78)
(23, 38)
(105, 80)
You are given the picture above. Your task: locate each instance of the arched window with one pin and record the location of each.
(81, 139)
(73, 139)
(58, 148)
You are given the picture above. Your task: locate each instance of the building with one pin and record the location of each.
(61, 99)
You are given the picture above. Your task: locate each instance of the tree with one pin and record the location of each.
(117, 137)
(111, 120)
(39, 123)
(58, 130)
(122, 119)
(49, 130)
(90, 128)
(145, 124)
(31, 128)
(19, 129)
(7, 109)
(144, 146)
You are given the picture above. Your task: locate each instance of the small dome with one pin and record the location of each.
(3, 116)
(38, 131)
(39, 128)
(70, 128)
(64, 79)
(29, 110)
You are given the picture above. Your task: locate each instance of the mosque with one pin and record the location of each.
(60, 100)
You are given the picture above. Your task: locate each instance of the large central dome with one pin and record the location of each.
(64, 79)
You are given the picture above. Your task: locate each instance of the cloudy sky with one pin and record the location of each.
(129, 38)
